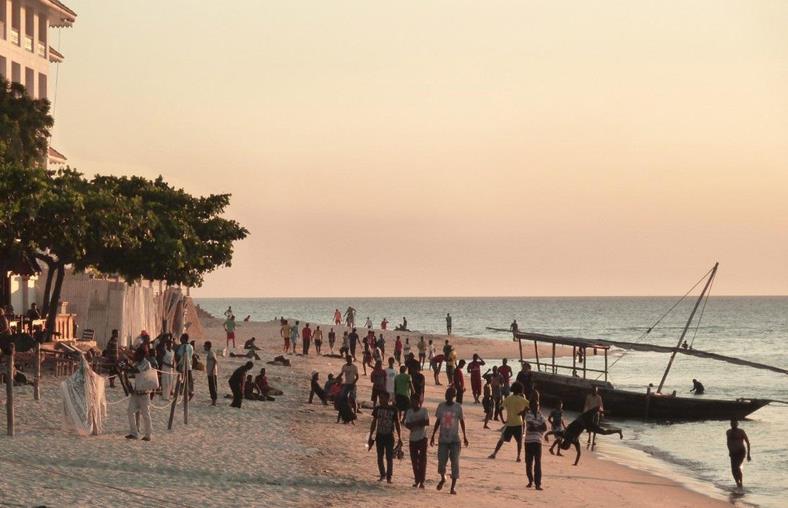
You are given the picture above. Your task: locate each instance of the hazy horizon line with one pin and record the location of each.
(478, 296)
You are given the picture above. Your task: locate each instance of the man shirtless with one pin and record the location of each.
(737, 438)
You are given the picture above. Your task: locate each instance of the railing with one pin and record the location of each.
(64, 326)
(28, 43)
(42, 49)
(15, 36)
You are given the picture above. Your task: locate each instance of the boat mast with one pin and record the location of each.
(686, 327)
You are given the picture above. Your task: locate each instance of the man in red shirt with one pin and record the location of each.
(458, 380)
(306, 338)
(475, 369)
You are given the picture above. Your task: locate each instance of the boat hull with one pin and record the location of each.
(641, 406)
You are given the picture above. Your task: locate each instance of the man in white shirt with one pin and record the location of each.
(391, 373)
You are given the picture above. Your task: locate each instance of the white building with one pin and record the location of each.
(25, 53)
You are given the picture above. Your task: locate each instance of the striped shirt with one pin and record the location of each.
(533, 436)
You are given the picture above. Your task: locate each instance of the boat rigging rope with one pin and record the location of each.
(702, 310)
(658, 321)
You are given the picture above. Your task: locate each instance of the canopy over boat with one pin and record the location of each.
(637, 346)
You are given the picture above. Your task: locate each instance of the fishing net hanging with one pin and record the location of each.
(84, 400)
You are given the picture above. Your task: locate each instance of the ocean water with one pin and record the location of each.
(753, 328)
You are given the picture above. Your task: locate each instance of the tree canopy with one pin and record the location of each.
(24, 126)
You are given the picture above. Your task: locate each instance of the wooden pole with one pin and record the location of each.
(9, 390)
(606, 365)
(174, 402)
(186, 388)
(536, 350)
(574, 360)
(553, 357)
(37, 380)
(520, 343)
(686, 327)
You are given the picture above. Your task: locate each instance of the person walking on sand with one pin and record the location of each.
(449, 418)
(534, 427)
(237, 381)
(417, 420)
(384, 421)
(332, 338)
(737, 438)
(391, 373)
(381, 343)
(448, 324)
(211, 370)
(229, 328)
(398, 350)
(317, 339)
(506, 376)
(403, 390)
(353, 336)
(421, 346)
(350, 317)
(167, 370)
(337, 317)
(487, 402)
(306, 339)
(406, 348)
(139, 399)
(294, 334)
(284, 332)
(458, 380)
(475, 370)
(515, 405)
(349, 375)
(378, 378)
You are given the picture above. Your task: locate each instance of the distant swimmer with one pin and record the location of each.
(737, 451)
(697, 387)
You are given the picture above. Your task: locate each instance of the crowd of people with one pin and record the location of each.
(397, 386)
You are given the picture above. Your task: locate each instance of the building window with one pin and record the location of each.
(30, 81)
(16, 72)
(2, 20)
(27, 40)
(3, 69)
(42, 86)
(15, 21)
(42, 36)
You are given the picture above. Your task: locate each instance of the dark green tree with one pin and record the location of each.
(24, 126)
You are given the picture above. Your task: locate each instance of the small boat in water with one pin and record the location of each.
(650, 404)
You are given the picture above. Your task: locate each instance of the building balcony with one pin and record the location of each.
(54, 55)
(15, 36)
(41, 49)
(28, 43)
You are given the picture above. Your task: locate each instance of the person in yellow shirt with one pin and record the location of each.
(516, 405)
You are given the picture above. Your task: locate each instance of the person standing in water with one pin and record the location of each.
(448, 324)
(697, 387)
(337, 317)
(737, 451)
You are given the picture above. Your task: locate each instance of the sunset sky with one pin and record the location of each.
(419, 148)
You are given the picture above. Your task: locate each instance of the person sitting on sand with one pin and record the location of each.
(249, 389)
(250, 344)
(265, 389)
(449, 419)
(316, 389)
(329, 387)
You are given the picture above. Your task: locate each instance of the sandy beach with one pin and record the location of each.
(286, 452)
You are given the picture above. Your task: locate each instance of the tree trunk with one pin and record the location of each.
(47, 290)
(54, 301)
(50, 262)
